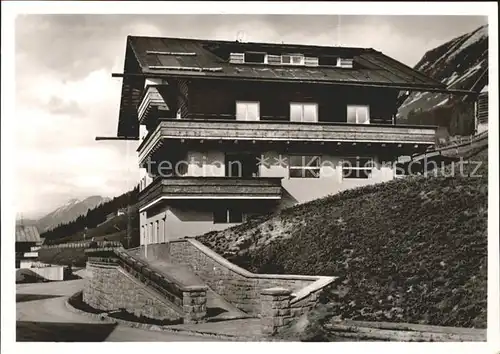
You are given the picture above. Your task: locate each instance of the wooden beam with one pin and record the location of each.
(409, 87)
(98, 138)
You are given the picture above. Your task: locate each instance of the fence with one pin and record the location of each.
(85, 244)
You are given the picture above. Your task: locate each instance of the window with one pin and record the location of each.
(293, 59)
(237, 58)
(247, 111)
(311, 61)
(357, 167)
(345, 63)
(251, 57)
(328, 60)
(227, 215)
(358, 114)
(303, 112)
(303, 166)
(273, 59)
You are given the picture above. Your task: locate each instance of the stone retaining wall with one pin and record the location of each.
(119, 281)
(241, 287)
(110, 288)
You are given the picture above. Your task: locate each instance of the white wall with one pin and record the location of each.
(329, 182)
(482, 127)
(175, 223)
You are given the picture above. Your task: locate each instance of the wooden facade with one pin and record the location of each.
(210, 188)
(211, 99)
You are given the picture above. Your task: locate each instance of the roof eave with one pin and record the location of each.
(439, 88)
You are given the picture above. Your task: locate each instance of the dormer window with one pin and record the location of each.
(272, 59)
(253, 57)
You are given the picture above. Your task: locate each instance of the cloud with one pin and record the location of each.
(58, 106)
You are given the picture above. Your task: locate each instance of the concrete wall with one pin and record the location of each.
(174, 222)
(50, 273)
(110, 288)
(240, 287)
(54, 273)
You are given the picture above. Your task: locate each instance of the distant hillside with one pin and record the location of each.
(410, 250)
(94, 219)
(69, 211)
(461, 64)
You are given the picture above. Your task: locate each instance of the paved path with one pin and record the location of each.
(41, 315)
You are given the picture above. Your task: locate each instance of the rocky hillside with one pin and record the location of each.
(459, 63)
(68, 212)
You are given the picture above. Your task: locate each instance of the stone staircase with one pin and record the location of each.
(216, 306)
(185, 280)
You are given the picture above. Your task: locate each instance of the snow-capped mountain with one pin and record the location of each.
(460, 63)
(69, 211)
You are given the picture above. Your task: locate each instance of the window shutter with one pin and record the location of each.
(237, 58)
(345, 63)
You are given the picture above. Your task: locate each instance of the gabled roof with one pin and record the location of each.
(374, 66)
(145, 57)
(27, 234)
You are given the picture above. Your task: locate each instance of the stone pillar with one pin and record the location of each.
(275, 310)
(194, 304)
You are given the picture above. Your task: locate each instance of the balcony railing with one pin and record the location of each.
(151, 99)
(165, 188)
(184, 129)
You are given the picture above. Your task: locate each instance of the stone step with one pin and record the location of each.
(217, 307)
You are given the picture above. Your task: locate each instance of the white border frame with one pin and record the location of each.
(10, 9)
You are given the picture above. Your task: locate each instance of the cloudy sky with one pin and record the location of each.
(65, 95)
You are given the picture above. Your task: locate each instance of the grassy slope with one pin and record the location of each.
(411, 250)
(112, 230)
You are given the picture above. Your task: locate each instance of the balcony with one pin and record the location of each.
(151, 101)
(168, 188)
(322, 132)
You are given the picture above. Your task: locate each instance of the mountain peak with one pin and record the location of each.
(70, 211)
(459, 63)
